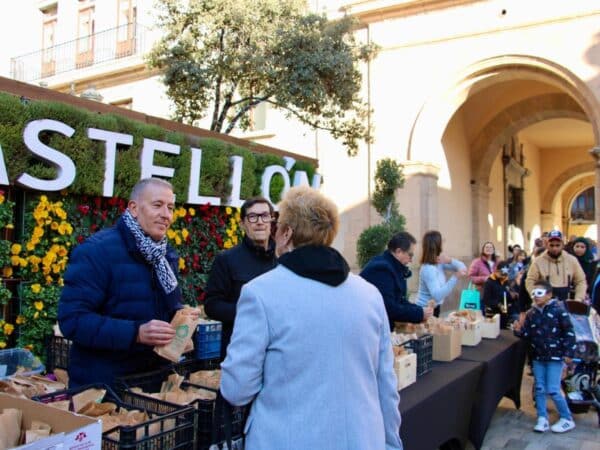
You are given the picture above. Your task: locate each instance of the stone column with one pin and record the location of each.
(480, 200)
(418, 200)
(595, 152)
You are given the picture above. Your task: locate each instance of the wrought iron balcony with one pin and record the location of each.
(98, 48)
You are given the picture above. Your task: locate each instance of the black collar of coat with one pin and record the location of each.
(317, 262)
(401, 268)
(258, 250)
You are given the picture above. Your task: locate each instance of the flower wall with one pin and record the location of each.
(53, 226)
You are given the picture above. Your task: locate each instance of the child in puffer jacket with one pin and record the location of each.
(548, 328)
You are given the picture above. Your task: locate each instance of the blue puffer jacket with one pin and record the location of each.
(549, 331)
(109, 292)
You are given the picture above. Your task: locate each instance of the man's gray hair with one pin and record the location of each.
(141, 185)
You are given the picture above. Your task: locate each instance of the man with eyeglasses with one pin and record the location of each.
(388, 273)
(233, 268)
(558, 268)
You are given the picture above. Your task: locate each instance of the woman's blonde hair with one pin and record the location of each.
(312, 217)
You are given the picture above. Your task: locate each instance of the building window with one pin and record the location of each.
(85, 34)
(49, 40)
(126, 27)
(126, 103)
(583, 207)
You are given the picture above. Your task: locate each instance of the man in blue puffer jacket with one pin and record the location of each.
(120, 291)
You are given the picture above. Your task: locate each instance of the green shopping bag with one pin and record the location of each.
(469, 298)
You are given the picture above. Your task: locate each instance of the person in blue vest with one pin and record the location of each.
(388, 272)
(121, 291)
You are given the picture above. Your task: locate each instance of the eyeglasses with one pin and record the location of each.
(265, 217)
(538, 292)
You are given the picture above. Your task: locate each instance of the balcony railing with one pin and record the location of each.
(98, 48)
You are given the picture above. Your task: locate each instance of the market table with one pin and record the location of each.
(503, 360)
(436, 410)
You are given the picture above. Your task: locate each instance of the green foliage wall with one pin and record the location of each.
(86, 153)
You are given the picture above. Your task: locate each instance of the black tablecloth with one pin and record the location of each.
(437, 408)
(503, 361)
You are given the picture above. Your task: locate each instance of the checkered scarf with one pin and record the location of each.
(153, 252)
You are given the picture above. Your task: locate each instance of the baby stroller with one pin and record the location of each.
(582, 384)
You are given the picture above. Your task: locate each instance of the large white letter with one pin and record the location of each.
(3, 173)
(194, 186)
(111, 140)
(148, 167)
(65, 168)
(268, 174)
(301, 179)
(236, 181)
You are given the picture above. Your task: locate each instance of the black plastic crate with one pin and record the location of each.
(175, 423)
(423, 348)
(210, 414)
(57, 356)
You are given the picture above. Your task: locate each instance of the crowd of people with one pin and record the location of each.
(296, 320)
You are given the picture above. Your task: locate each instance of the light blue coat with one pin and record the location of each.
(433, 283)
(318, 363)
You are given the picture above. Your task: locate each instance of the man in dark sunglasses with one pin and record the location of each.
(233, 268)
(388, 272)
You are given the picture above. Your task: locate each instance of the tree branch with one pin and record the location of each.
(243, 110)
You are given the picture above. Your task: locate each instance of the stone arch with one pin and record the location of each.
(513, 119)
(425, 140)
(573, 189)
(565, 177)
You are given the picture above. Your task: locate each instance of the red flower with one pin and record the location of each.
(83, 209)
(113, 201)
(97, 202)
(80, 239)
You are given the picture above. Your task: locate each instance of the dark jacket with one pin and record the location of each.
(494, 291)
(389, 276)
(109, 291)
(549, 331)
(232, 269)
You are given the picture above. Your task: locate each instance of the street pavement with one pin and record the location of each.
(513, 429)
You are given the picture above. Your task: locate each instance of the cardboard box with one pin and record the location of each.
(447, 347)
(490, 328)
(75, 432)
(472, 335)
(405, 367)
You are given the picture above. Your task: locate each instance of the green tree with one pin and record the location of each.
(373, 240)
(222, 58)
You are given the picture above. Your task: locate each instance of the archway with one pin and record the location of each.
(566, 96)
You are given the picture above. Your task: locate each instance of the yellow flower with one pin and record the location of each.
(15, 249)
(36, 315)
(185, 233)
(228, 210)
(8, 329)
(61, 282)
(191, 212)
(177, 240)
(62, 251)
(227, 244)
(181, 263)
(65, 228)
(43, 199)
(61, 213)
(38, 305)
(229, 232)
(171, 233)
(20, 320)
(54, 225)
(7, 272)
(14, 260)
(181, 211)
(30, 246)
(1, 198)
(22, 262)
(38, 232)
(10, 226)
(2, 344)
(48, 279)
(36, 288)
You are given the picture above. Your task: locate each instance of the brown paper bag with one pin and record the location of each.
(88, 396)
(10, 426)
(185, 323)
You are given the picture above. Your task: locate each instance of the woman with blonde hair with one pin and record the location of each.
(310, 333)
(432, 277)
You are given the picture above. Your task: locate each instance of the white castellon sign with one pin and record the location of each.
(66, 169)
